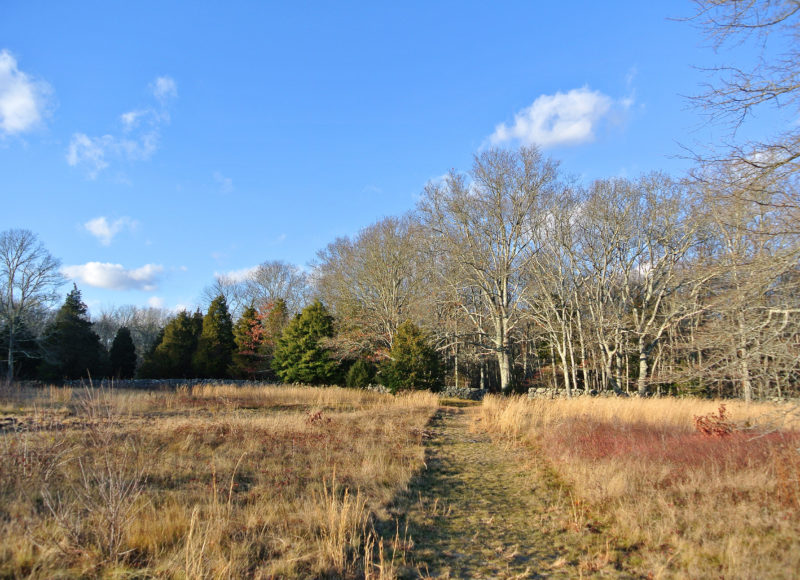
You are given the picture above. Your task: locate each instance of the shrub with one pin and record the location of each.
(413, 363)
(361, 374)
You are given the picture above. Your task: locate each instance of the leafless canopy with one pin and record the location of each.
(29, 277)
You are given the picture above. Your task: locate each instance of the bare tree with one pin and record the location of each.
(487, 228)
(233, 289)
(372, 284)
(551, 290)
(29, 278)
(275, 279)
(752, 318)
(143, 323)
(261, 286)
(770, 28)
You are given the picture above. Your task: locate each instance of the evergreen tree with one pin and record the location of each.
(172, 357)
(73, 348)
(299, 357)
(122, 355)
(248, 334)
(361, 374)
(274, 319)
(413, 363)
(216, 345)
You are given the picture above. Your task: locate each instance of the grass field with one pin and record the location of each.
(212, 482)
(684, 488)
(291, 482)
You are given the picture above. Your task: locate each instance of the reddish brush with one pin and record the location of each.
(593, 440)
(712, 425)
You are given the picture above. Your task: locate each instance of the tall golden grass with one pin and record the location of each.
(682, 504)
(211, 482)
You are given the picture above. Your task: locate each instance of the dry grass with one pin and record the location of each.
(683, 504)
(212, 482)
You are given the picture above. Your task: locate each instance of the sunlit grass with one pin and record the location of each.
(685, 504)
(203, 482)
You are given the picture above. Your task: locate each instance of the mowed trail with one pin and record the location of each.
(484, 510)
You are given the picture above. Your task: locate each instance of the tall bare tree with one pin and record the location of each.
(735, 93)
(752, 314)
(487, 228)
(261, 286)
(29, 279)
(275, 279)
(372, 283)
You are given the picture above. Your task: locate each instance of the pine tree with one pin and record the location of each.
(172, 357)
(73, 348)
(216, 345)
(413, 363)
(274, 319)
(248, 334)
(360, 374)
(122, 355)
(299, 357)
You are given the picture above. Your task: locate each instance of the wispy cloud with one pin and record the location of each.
(225, 183)
(105, 231)
(164, 89)
(141, 132)
(95, 153)
(23, 99)
(131, 119)
(115, 276)
(569, 118)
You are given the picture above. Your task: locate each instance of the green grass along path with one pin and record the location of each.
(480, 509)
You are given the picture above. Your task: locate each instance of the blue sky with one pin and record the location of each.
(151, 145)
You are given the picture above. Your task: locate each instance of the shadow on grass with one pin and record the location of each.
(466, 513)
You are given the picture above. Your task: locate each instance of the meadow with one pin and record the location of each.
(677, 487)
(294, 482)
(211, 482)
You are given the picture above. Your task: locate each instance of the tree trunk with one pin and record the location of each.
(642, 381)
(10, 370)
(643, 367)
(504, 360)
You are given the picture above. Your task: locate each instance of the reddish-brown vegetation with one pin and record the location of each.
(686, 491)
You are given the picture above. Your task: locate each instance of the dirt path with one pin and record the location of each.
(481, 510)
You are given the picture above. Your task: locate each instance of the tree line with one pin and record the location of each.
(506, 277)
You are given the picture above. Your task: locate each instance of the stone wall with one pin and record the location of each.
(463, 393)
(548, 393)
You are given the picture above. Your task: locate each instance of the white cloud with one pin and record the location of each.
(155, 302)
(237, 275)
(141, 131)
(104, 231)
(225, 183)
(114, 276)
(561, 119)
(164, 88)
(23, 100)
